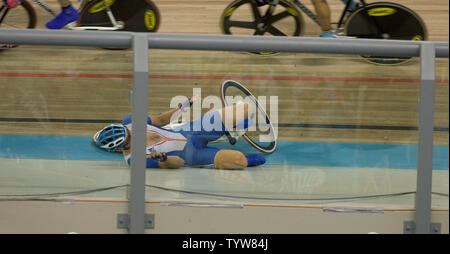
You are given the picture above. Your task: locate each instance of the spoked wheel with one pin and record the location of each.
(262, 136)
(385, 20)
(245, 17)
(137, 15)
(22, 16)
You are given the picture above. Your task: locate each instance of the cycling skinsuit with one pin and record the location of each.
(186, 142)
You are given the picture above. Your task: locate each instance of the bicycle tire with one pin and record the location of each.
(137, 15)
(272, 145)
(396, 21)
(23, 16)
(287, 22)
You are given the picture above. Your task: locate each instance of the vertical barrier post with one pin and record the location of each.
(426, 126)
(139, 134)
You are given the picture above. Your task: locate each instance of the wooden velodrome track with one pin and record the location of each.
(323, 98)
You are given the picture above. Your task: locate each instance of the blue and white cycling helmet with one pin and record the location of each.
(111, 138)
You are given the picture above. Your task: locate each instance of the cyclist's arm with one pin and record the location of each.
(159, 120)
(152, 120)
(164, 118)
(172, 162)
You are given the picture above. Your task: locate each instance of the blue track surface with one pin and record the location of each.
(291, 153)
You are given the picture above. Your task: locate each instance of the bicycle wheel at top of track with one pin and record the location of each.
(384, 20)
(262, 136)
(245, 17)
(22, 16)
(137, 15)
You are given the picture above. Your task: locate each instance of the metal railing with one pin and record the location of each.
(141, 42)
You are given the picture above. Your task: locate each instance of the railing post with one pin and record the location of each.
(425, 145)
(139, 134)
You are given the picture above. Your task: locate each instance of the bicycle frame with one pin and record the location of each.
(307, 11)
(45, 6)
(347, 5)
(313, 16)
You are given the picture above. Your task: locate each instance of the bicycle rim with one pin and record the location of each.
(22, 17)
(397, 22)
(263, 136)
(137, 15)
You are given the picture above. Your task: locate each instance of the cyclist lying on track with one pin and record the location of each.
(187, 144)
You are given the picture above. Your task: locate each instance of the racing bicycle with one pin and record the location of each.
(104, 15)
(378, 20)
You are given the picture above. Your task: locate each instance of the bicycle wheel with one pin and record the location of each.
(137, 15)
(23, 16)
(385, 20)
(244, 17)
(262, 135)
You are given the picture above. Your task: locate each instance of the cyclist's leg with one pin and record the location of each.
(225, 159)
(213, 125)
(68, 15)
(205, 129)
(324, 15)
(64, 3)
(229, 159)
(232, 159)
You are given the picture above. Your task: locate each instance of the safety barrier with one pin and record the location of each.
(141, 42)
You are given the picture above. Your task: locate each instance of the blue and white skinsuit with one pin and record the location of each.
(188, 143)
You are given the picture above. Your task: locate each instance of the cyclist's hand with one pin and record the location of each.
(157, 156)
(187, 103)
